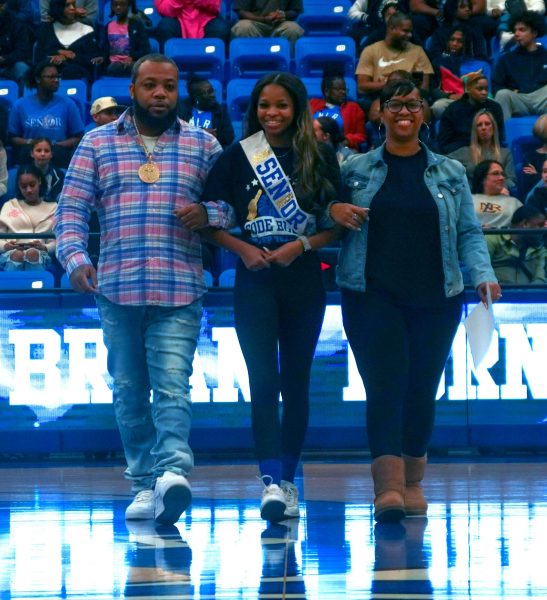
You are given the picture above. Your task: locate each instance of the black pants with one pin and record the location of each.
(400, 352)
(278, 316)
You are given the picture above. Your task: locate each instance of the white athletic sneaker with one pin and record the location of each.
(272, 506)
(291, 499)
(172, 496)
(142, 506)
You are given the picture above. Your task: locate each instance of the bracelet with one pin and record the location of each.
(305, 243)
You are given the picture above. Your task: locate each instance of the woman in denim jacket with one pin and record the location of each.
(410, 221)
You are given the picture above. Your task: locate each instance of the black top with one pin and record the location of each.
(233, 180)
(521, 70)
(456, 121)
(404, 242)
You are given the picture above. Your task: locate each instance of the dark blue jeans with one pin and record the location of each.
(400, 352)
(278, 316)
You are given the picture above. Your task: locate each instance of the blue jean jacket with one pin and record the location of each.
(462, 238)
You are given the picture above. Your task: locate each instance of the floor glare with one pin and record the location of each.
(63, 535)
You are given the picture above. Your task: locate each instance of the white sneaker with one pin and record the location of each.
(272, 506)
(142, 506)
(172, 496)
(291, 499)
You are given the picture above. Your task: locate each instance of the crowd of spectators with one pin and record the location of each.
(428, 41)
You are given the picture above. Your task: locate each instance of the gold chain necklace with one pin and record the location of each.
(149, 172)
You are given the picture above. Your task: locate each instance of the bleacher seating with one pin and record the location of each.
(206, 57)
(325, 17)
(118, 87)
(9, 91)
(26, 280)
(227, 278)
(313, 87)
(313, 53)
(238, 93)
(517, 127)
(254, 57)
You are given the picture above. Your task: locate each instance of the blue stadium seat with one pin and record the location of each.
(19, 280)
(254, 57)
(118, 87)
(518, 127)
(325, 17)
(65, 282)
(154, 45)
(313, 53)
(313, 86)
(206, 57)
(9, 91)
(469, 66)
(238, 93)
(208, 279)
(227, 278)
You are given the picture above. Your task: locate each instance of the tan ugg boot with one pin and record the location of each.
(415, 502)
(388, 473)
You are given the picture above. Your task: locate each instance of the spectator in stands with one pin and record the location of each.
(538, 195)
(190, 19)
(27, 11)
(124, 39)
(105, 110)
(503, 10)
(68, 43)
(268, 18)
(3, 170)
(396, 52)
(328, 131)
(45, 114)
(87, 11)
(378, 33)
(426, 16)
(279, 298)
(448, 85)
(348, 115)
(493, 204)
(534, 160)
(485, 145)
(27, 213)
(471, 15)
(202, 109)
(520, 76)
(519, 258)
(456, 120)
(41, 154)
(402, 290)
(14, 45)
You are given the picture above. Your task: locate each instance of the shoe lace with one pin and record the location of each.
(290, 493)
(143, 496)
(266, 480)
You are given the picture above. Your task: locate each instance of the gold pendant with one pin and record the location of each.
(149, 172)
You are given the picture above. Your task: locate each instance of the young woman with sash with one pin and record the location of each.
(280, 181)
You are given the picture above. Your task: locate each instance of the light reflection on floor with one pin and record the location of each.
(69, 544)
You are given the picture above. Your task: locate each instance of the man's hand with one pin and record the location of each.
(193, 216)
(84, 279)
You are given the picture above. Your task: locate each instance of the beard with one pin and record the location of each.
(158, 124)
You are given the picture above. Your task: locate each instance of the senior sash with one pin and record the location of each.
(280, 216)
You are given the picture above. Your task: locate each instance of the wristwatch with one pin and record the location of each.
(305, 243)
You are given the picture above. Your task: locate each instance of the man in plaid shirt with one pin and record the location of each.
(136, 173)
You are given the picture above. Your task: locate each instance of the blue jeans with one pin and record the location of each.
(152, 348)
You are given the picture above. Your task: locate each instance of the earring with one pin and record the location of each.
(381, 128)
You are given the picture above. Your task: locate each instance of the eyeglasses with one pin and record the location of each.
(396, 106)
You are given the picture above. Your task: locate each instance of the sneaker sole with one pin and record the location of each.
(140, 517)
(292, 513)
(175, 501)
(273, 511)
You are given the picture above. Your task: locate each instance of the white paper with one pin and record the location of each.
(482, 335)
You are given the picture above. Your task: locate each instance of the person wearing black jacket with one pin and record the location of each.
(202, 109)
(455, 125)
(520, 75)
(69, 44)
(14, 45)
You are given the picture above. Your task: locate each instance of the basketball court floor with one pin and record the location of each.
(63, 536)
